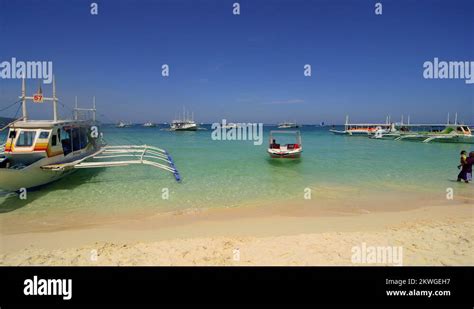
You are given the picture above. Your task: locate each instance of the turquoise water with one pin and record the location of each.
(233, 173)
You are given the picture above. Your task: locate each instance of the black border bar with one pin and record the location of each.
(238, 285)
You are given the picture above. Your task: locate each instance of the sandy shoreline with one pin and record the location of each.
(441, 234)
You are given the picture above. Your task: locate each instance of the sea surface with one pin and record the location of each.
(237, 173)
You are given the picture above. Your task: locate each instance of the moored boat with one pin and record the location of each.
(290, 150)
(288, 125)
(149, 124)
(37, 152)
(184, 124)
(123, 124)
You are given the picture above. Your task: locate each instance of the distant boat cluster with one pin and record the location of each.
(444, 133)
(186, 123)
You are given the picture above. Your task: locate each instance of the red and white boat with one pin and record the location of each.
(290, 150)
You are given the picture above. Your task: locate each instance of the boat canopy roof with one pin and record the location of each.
(38, 124)
(285, 132)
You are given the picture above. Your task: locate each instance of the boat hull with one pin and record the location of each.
(351, 133)
(28, 177)
(185, 129)
(33, 175)
(440, 139)
(284, 154)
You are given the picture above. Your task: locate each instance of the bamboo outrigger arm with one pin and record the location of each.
(406, 136)
(128, 154)
(432, 138)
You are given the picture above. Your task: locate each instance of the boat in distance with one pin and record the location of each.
(123, 124)
(184, 124)
(149, 124)
(288, 125)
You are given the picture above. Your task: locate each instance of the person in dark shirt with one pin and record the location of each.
(466, 170)
(462, 161)
(469, 163)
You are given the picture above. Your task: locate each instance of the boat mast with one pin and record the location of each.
(456, 118)
(75, 108)
(93, 109)
(23, 99)
(55, 101)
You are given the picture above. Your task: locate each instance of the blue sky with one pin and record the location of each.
(247, 67)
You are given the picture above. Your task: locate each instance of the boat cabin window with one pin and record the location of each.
(79, 138)
(66, 141)
(44, 134)
(84, 139)
(54, 140)
(12, 134)
(75, 139)
(26, 138)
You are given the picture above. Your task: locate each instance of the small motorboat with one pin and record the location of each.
(290, 150)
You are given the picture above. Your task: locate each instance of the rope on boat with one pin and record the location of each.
(5, 108)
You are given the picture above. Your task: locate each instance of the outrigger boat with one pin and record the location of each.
(363, 129)
(426, 133)
(293, 150)
(38, 152)
(452, 133)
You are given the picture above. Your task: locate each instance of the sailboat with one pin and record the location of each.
(184, 124)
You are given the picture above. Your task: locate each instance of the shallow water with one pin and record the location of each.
(234, 173)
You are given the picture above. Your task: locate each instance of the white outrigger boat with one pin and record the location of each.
(293, 150)
(364, 129)
(38, 152)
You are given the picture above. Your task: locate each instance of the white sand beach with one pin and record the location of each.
(440, 234)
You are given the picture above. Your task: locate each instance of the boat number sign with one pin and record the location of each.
(38, 98)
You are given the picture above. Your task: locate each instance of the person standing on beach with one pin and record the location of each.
(469, 162)
(462, 161)
(466, 168)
